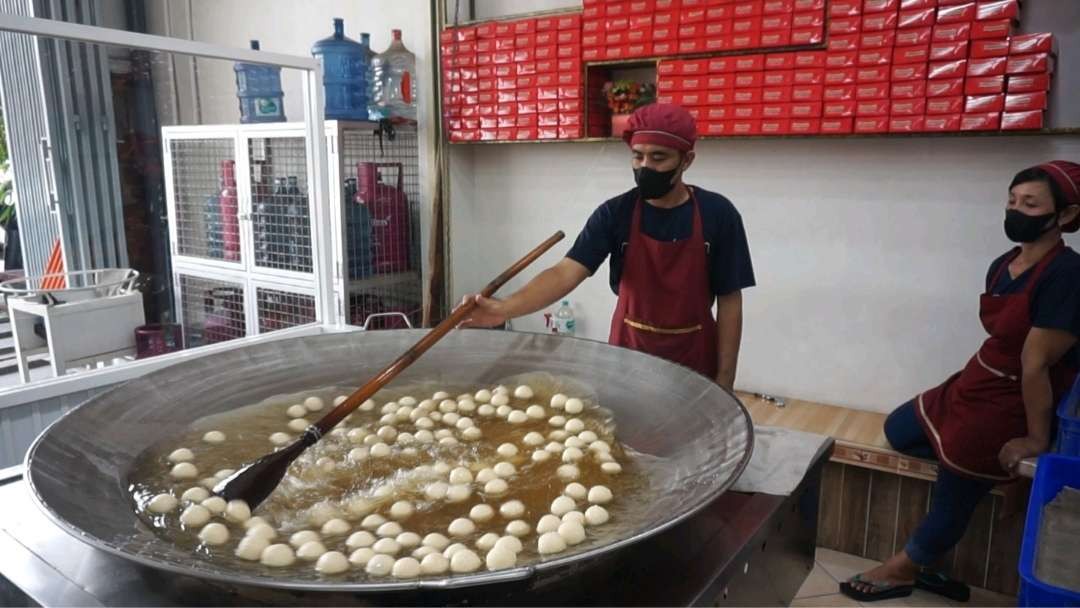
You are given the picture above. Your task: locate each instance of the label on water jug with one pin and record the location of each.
(267, 107)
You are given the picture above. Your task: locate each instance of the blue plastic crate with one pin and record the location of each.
(1053, 473)
(1068, 435)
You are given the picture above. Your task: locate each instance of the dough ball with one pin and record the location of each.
(379, 565)
(298, 425)
(535, 412)
(184, 470)
(499, 400)
(587, 437)
(358, 506)
(505, 469)
(541, 456)
(424, 436)
(473, 433)
(280, 439)
(568, 472)
(357, 435)
(402, 510)
(255, 521)
(503, 411)
(209, 482)
(448, 441)
(251, 548)
(332, 562)
(562, 505)
(195, 495)
(558, 435)
(326, 464)
(427, 405)
(335, 527)
(405, 438)
(447, 406)
(533, 439)
(195, 516)
(163, 503)
(523, 392)
(599, 446)
(511, 543)
(440, 395)
(403, 413)
(425, 423)
(550, 543)
(387, 433)
(408, 540)
(611, 468)
(314, 404)
(458, 493)
(507, 450)
(574, 442)
(423, 551)
(357, 455)
(461, 527)
(451, 419)
(443, 433)
(358, 540)
(389, 529)
(339, 400)
(215, 504)
(572, 455)
(577, 516)
(486, 410)
(361, 556)
(496, 487)
(501, 389)
(487, 541)
(386, 546)
(558, 401)
(224, 473)
(572, 532)
(486, 475)
(214, 534)
(466, 405)
(263, 530)
(441, 468)
(481, 513)
(436, 490)
(557, 421)
(277, 556)
(600, 495)
(436, 541)
(296, 411)
(461, 475)
(452, 549)
(500, 559)
(517, 417)
(406, 567)
(408, 400)
(482, 396)
(465, 561)
(464, 423)
(596, 515)
(380, 450)
(367, 406)
(299, 539)
(519, 528)
(548, 523)
(512, 509)
(310, 551)
(214, 437)
(388, 419)
(574, 425)
(435, 563)
(574, 406)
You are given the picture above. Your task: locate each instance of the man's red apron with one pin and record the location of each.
(665, 301)
(978, 410)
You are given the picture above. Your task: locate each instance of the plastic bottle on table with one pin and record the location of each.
(564, 319)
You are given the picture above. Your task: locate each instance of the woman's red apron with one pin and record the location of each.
(978, 410)
(665, 300)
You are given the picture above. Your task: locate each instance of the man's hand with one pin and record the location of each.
(1020, 448)
(489, 312)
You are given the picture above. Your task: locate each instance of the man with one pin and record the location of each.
(673, 247)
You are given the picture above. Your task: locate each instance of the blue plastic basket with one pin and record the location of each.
(1053, 473)
(1068, 435)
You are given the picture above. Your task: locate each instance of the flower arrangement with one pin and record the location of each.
(625, 96)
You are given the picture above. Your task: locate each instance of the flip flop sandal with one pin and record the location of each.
(936, 582)
(881, 590)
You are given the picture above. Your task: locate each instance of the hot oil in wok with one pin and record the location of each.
(310, 494)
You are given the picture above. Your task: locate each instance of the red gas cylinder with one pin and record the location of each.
(390, 220)
(230, 226)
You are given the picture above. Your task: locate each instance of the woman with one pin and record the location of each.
(1000, 408)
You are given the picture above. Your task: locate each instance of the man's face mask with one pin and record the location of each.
(655, 184)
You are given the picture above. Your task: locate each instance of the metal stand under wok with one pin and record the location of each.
(742, 549)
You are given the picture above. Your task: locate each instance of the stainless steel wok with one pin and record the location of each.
(78, 468)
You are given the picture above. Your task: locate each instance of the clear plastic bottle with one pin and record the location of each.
(564, 319)
(393, 93)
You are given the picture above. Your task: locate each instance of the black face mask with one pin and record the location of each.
(654, 184)
(1023, 228)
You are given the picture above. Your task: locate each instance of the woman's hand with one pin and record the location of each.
(1020, 448)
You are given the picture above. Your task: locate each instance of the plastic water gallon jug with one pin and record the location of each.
(393, 74)
(345, 73)
(390, 225)
(258, 88)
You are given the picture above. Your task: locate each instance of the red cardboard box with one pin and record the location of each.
(746, 96)
(845, 8)
(945, 105)
(525, 134)
(948, 87)
(665, 18)
(668, 67)
(878, 22)
(806, 110)
(570, 105)
(744, 8)
(547, 120)
(911, 54)
(842, 93)
(771, 23)
(692, 67)
(639, 36)
(813, 19)
(747, 41)
(944, 123)
(717, 28)
(780, 61)
(1018, 121)
(872, 125)
(837, 125)
(746, 63)
(878, 40)
(839, 77)
(746, 80)
(872, 107)
(843, 43)
(692, 16)
(688, 47)
(592, 54)
(805, 126)
(914, 36)
(1029, 83)
(908, 107)
(776, 110)
(986, 85)
(960, 13)
(914, 71)
(781, 126)
(719, 97)
(593, 40)
(808, 76)
(981, 49)
(720, 81)
(1031, 43)
(809, 59)
(981, 122)
(807, 36)
(845, 26)
(640, 21)
(907, 124)
(911, 89)
(872, 74)
(880, 6)
(746, 112)
(947, 69)
(718, 43)
(981, 104)
(839, 60)
(839, 109)
(776, 95)
(875, 57)
(573, 132)
(691, 30)
(545, 24)
(951, 32)
(1025, 102)
(922, 17)
(778, 7)
(989, 66)
(592, 27)
(998, 9)
(713, 128)
(690, 98)
(779, 78)
(641, 6)
(910, 5)
(570, 119)
(949, 51)
(776, 38)
(715, 113)
(805, 93)
(667, 5)
(1036, 63)
(692, 83)
(568, 22)
(745, 127)
(1000, 28)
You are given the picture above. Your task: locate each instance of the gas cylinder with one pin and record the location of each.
(390, 220)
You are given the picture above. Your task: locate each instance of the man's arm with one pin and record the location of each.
(542, 291)
(729, 336)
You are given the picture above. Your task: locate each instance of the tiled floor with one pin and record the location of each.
(822, 586)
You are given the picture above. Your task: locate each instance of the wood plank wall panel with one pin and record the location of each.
(881, 525)
(1005, 548)
(856, 507)
(830, 506)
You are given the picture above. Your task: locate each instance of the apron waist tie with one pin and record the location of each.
(662, 330)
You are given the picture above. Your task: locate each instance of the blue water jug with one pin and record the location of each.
(258, 88)
(345, 70)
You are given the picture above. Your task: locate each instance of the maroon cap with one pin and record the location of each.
(662, 124)
(1067, 177)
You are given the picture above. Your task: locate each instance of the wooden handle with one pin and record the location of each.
(459, 314)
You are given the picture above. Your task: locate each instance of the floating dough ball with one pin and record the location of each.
(332, 562)
(437, 490)
(452, 549)
(298, 425)
(572, 532)
(314, 404)
(517, 417)
(487, 541)
(195, 495)
(361, 556)
(557, 421)
(380, 450)
(310, 551)
(358, 506)
(574, 425)
(424, 436)
(184, 470)
(214, 504)
(357, 455)
(500, 559)
(507, 450)
(447, 406)
(296, 411)
(549, 543)
(518, 527)
(523, 392)
(441, 468)
(512, 509)
(472, 433)
(486, 475)
(299, 539)
(386, 546)
(335, 527)
(562, 505)
(427, 405)
(443, 433)
(384, 491)
(255, 521)
(263, 530)
(407, 400)
(465, 561)
(402, 510)
(587, 437)
(486, 410)
(195, 516)
(568, 472)
(405, 438)
(408, 540)
(541, 456)
(576, 491)
(358, 540)
(326, 464)
(440, 395)
(535, 412)
(600, 495)
(451, 419)
(214, 437)
(558, 401)
(435, 563)
(599, 446)
(389, 529)
(574, 406)
(461, 475)
(505, 469)
(224, 474)
(596, 515)
(340, 399)
(574, 442)
(572, 455)
(557, 435)
(461, 527)
(496, 487)
(367, 406)
(388, 419)
(577, 516)
(466, 405)
(339, 432)
(251, 548)
(387, 433)
(503, 411)
(209, 482)
(380, 564)
(548, 523)
(481, 513)
(163, 503)
(611, 468)
(500, 400)
(436, 541)
(533, 439)
(554, 447)
(278, 556)
(406, 567)
(389, 408)
(501, 389)
(422, 552)
(403, 413)
(280, 439)
(464, 423)
(458, 493)
(482, 396)
(511, 543)
(357, 435)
